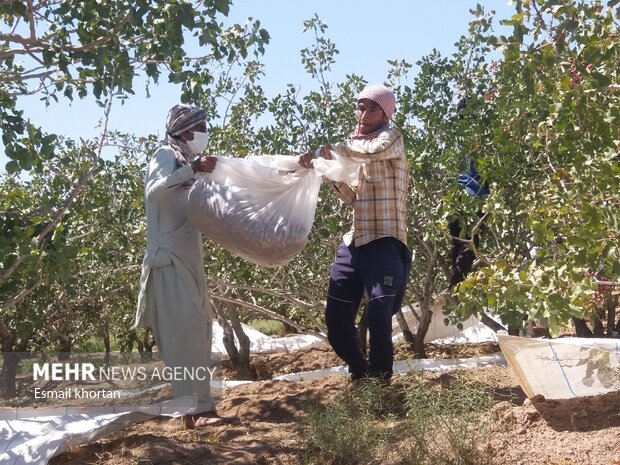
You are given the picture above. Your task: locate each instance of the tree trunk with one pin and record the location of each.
(148, 341)
(426, 315)
(491, 323)
(11, 356)
(105, 335)
(229, 342)
(611, 302)
(581, 328)
(65, 345)
(229, 336)
(8, 386)
(244, 370)
(597, 325)
(425, 321)
(404, 327)
(145, 345)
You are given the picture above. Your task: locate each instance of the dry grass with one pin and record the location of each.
(412, 422)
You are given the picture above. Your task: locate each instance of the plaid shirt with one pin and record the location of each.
(379, 201)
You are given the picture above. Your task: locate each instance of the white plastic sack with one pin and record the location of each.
(261, 208)
(338, 169)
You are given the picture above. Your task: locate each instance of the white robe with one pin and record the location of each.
(173, 297)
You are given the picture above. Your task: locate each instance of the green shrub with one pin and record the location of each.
(410, 422)
(94, 345)
(446, 425)
(349, 431)
(269, 327)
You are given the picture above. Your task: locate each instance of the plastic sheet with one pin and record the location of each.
(563, 368)
(473, 331)
(261, 343)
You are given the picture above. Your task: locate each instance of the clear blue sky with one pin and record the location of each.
(367, 34)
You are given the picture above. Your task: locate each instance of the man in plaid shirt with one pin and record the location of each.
(373, 256)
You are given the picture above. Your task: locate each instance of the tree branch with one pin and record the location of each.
(4, 277)
(79, 186)
(35, 43)
(6, 337)
(21, 295)
(470, 242)
(20, 77)
(609, 88)
(31, 22)
(75, 191)
(281, 294)
(269, 313)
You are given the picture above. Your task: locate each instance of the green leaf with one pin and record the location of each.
(12, 167)
(223, 6)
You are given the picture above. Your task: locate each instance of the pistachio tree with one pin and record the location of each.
(83, 49)
(549, 148)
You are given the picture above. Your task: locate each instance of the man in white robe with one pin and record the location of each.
(173, 298)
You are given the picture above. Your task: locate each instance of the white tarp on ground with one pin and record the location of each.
(402, 367)
(439, 333)
(563, 368)
(33, 436)
(261, 343)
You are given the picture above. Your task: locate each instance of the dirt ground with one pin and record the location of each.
(583, 431)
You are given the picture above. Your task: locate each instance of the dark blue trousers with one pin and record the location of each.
(380, 267)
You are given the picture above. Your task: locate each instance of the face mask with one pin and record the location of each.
(199, 143)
